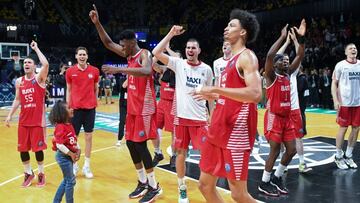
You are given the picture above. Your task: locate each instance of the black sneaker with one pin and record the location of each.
(279, 184)
(157, 158)
(139, 191)
(173, 161)
(268, 189)
(151, 194)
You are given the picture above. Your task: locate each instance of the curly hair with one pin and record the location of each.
(248, 21)
(59, 113)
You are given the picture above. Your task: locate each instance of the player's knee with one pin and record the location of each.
(39, 156)
(203, 187)
(25, 156)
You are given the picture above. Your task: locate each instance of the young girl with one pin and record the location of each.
(66, 147)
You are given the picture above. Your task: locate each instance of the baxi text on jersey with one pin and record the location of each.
(192, 82)
(28, 91)
(285, 88)
(354, 75)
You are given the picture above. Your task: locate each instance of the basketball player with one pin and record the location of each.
(231, 137)
(278, 126)
(345, 91)
(30, 94)
(140, 120)
(191, 115)
(220, 63)
(295, 114)
(81, 95)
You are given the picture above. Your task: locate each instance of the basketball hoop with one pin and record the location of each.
(16, 59)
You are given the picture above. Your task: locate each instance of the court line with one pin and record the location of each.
(48, 165)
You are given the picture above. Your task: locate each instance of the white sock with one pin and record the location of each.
(280, 170)
(158, 150)
(181, 181)
(151, 179)
(141, 175)
(87, 162)
(266, 176)
(41, 168)
(349, 151)
(27, 168)
(339, 153)
(301, 159)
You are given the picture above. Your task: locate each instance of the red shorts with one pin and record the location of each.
(295, 116)
(278, 129)
(348, 116)
(186, 132)
(164, 119)
(140, 128)
(220, 162)
(31, 137)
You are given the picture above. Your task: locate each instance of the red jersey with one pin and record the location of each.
(141, 92)
(32, 100)
(278, 95)
(65, 134)
(233, 123)
(166, 92)
(82, 86)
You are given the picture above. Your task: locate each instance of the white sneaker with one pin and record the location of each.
(183, 194)
(118, 143)
(303, 168)
(340, 162)
(350, 162)
(87, 172)
(75, 169)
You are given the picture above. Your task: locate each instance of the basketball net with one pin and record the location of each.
(16, 59)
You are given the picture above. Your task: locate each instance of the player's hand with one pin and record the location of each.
(284, 31)
(78, 154)
(72, 155)
(33, 45)
(125, 84)
(288, 38)
(302, 28)
(94, 15)
(177, 30)
(336, 105)
(292, 35)
(109, 70)
(7, 121)
(204, 92)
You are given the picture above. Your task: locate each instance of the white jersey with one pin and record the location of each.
(188, 77)
(348, 76)
(293, 90)
(219, 66)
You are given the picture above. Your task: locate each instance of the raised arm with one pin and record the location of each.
(269, 65)
(158, 50)
(42, 76)
(300, 46)
(145, 69)
(285, 45)
(15, 104)
(106, 40)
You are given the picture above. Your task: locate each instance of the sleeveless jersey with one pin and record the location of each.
(32, 100)
(278, 95)
(233, 123)
(166, 92)
(141, 94)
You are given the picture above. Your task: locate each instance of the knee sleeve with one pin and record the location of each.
(25, 156)
(144, 154)
(135, 156)
(39, 156)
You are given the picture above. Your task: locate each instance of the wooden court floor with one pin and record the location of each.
(114, 174)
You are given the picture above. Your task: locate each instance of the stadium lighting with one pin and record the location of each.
(11, 28)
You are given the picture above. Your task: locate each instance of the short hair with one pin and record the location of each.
(31, 57)
(193, 40)
(127, 35)
(58, 113)
(248, 21)
(278, 57)
(81, 48)
(349, 45)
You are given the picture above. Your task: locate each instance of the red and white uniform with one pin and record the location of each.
(31, 131)
(140, 120)
(82, 83)
(232, 131)
(295, 114)
(219, 66)
(164, 118)
(191, 115)
(278, 126)
(65, 134)
(348, 76)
